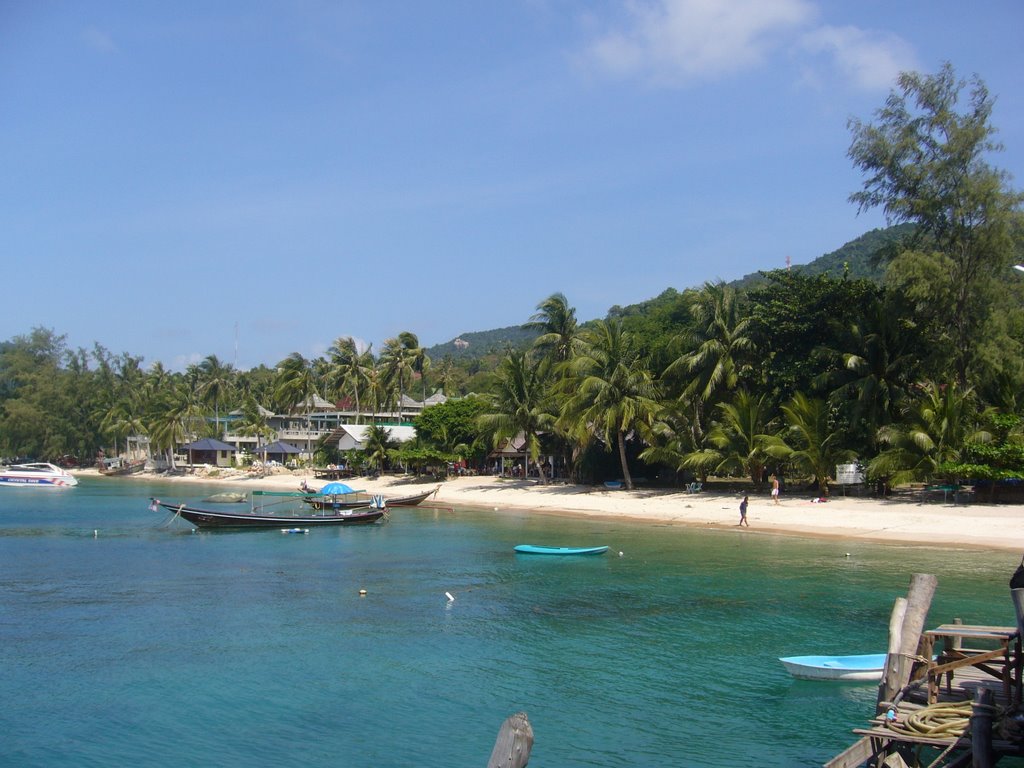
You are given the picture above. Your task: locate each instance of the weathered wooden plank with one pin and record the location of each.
(853, 756)
(514, 742)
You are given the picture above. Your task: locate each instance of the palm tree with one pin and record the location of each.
(559, 332)
(670, 437)
(610, 390)
(176, 421)
(350, 367)
(377, 445)
(721, 344)
(812, 444)
(295, 383)
(934, 432)
(519, 406)
(738, 439)
(399, 358)
(120, 422)
(874, 374)
(216, 381)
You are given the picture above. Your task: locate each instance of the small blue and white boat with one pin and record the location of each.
(535, 549)
(863, 667)
(37, 474)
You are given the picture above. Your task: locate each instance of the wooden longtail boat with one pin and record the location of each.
(208, 518)
(342, 501)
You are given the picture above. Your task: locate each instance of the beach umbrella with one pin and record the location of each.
(336, 489)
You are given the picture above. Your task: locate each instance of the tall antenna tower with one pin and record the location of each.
(787, 262)
(236, 346)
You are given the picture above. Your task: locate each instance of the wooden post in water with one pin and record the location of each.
(898, 665)
(515, 740)
(982, 714)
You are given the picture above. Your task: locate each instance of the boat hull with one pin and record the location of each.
(864, 667)
(206, 518)
(534, 549)
(328, 502)
(36, 475)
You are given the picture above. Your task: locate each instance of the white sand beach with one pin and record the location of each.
(905, 519)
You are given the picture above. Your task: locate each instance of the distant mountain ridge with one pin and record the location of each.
(856, 257)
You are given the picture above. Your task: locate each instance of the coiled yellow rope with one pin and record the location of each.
(937, 721)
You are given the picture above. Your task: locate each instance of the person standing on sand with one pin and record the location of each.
(743, 512)
(775, 488)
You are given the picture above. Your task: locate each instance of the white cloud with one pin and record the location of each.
(871, 60)
(678, 42)
(674, 42)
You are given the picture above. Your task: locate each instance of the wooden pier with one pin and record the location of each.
(949, 696)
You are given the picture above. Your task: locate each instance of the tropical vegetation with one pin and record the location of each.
(904, 354)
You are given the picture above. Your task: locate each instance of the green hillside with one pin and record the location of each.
(859, 256)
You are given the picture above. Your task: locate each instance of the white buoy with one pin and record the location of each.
(620, 553)
(847, 554)
(95, 533)
(362, 593)
(449, 596)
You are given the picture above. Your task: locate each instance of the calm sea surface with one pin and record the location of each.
(125, 641)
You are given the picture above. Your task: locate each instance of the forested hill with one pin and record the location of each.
(856, 256)
(479, 344)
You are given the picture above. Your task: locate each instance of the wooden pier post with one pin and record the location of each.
(515, 740)
(982, 714)
(899, 665)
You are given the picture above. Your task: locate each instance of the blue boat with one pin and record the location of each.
(534, 549)
(863, 667)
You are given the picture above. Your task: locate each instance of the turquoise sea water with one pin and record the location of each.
(126, 643)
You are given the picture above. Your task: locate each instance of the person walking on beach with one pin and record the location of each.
(775, 488)
(743, 512)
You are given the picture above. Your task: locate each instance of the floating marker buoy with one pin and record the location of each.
(620, 553)
(449, 596)
(362, 593)
(847, 554)
(95, 533)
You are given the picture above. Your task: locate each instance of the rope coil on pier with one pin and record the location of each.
(939, 721)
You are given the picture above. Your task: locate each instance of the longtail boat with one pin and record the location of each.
(208, 518)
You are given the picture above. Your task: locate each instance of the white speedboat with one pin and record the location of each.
(38, 474)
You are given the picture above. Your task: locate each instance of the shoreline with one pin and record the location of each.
(900, 521)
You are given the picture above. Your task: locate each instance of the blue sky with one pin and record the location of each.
(252, 179)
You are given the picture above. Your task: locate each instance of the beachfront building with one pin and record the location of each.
(324, 421)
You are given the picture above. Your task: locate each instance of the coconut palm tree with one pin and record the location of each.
(872, 377)
(216, 381)
(810, 442)
(350, 367)
(519, 406)
(934, 431)
(398, 357)
(377, 446)
(555, 320)
(737, 440)
(295, 384)
(609, 389)
(719, 348)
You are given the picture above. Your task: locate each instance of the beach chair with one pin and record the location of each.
(694, 487)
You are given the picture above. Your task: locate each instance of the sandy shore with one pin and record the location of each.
(933, 523)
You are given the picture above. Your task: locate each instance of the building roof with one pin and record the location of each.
(277, 447)
(208, 444)
(355, 435)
